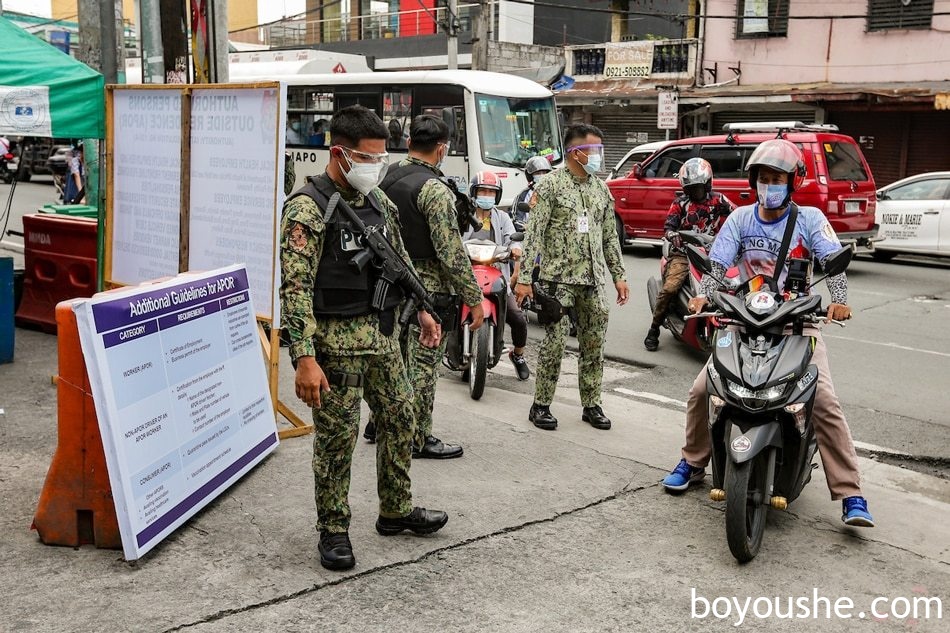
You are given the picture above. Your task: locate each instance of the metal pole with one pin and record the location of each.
(480, 37)
(453, 51)
(218, 23)
(153, 55)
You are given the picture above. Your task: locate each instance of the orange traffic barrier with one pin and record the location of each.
(76, 505)
(60, 263)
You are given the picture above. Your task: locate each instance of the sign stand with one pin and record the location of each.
(271, 345)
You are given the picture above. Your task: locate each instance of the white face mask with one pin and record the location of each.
(364, 177)
(438, 164)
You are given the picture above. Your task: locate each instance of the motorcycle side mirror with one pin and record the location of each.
(517, 236)
(698, 258)
(836, 263)
(523, 207)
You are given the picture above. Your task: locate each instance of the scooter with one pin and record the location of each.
(8, 167)
(474, 353)
(762, 387)
(696, 333)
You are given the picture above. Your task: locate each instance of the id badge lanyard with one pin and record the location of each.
(583, 219)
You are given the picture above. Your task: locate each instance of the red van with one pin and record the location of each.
(838, 180)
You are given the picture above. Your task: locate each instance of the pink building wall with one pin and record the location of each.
(834, 50)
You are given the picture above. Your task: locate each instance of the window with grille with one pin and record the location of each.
(762, 18)
(884, 15)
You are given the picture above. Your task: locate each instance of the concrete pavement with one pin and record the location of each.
(554, 531)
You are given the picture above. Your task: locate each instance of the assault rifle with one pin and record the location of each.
(391, 269)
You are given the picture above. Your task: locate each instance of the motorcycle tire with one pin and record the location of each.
(478, 362)
(746, 505)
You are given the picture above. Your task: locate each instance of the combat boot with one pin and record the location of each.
(336, 551)
(652, 341)
(540, 415)
(419, 521)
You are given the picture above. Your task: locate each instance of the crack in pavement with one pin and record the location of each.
(224, 613)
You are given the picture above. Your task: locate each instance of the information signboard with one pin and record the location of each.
(181, 395)
(667, 111)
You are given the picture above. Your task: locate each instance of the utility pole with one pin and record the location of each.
(452, 30)
(153, 55)
(480, 36)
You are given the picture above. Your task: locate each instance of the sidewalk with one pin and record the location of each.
(554, 531)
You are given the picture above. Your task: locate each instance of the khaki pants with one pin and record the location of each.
(834, 437)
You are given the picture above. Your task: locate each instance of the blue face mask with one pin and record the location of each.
(771, 196)
(485, 202)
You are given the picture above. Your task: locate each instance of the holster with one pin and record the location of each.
(448, 308)
(549, 309)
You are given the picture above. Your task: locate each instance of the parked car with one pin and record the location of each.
(838, 180)
(914, 215)
(637, 155)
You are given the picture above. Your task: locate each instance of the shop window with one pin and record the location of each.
(762, 18)
(884, 15)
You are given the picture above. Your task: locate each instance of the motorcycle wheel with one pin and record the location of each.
(746, 506)
(478, 362)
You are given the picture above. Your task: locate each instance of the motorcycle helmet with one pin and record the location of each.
(780, 155)
(695, 178)
(537, 164)
(485, 180)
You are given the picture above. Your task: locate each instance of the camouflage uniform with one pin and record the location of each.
(353, 345)
(574, 268)
(290, 175)
(449, 273)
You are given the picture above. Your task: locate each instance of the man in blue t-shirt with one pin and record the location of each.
(751, 238)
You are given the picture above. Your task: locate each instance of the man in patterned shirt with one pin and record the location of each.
(572, 229)
(343, 348)
(699, 209)
(430, 231)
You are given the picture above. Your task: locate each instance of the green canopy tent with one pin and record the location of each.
(44, 92)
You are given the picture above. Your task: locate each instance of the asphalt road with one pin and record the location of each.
(891, 363)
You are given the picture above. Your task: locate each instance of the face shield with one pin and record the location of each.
(595, 156)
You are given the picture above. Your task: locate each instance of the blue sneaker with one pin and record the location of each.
(854, 511)
(683, 476)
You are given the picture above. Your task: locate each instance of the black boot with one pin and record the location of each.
(652, 341)
(370, 432)
(540, 415)
(434, 448)
(419, 521)
(596, 418)
(336, 551)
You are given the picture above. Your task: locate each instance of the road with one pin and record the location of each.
(891, 363)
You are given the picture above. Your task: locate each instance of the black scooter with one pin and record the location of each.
(762, 385)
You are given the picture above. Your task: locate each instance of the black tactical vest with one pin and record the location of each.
(402, 185)
(341, 289)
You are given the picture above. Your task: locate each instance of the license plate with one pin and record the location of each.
(852, 206)
(11, 167)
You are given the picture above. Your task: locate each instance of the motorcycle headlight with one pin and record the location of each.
(482, 253)
(768, 394)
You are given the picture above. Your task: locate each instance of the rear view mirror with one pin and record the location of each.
(523, 207)
(838, 261)
(448, 117)
(517, 236)
(698, 258)
(637, 171)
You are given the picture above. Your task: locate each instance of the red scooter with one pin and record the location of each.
(474, 353)
(696, 333)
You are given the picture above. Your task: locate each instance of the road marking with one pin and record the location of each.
(650, 396)
(891, 345)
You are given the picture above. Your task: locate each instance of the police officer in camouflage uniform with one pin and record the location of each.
(431, 235)
(343, 349)
(572, 228)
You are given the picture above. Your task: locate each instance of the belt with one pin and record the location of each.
(343, 379)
